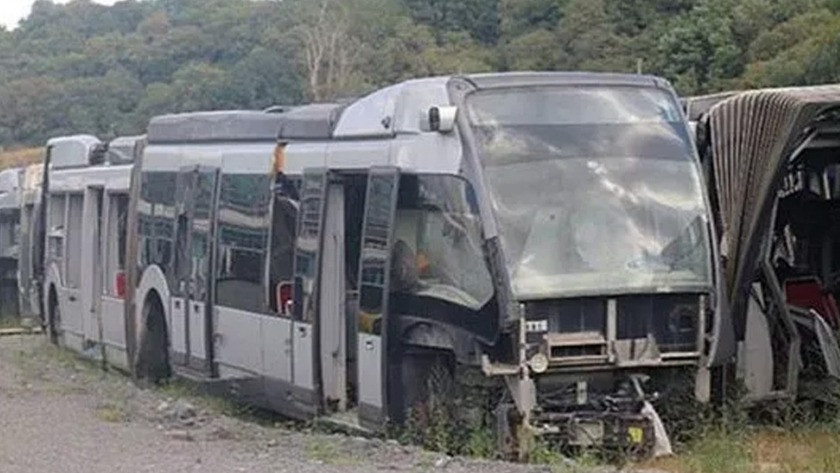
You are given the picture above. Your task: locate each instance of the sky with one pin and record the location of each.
(12, 11)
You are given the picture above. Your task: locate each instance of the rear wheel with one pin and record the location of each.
(153, 361)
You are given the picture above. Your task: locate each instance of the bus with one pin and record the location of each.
(10, 193)
(546, 236)
(774, 176)
(85, 194)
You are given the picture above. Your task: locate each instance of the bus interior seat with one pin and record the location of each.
(809, 293)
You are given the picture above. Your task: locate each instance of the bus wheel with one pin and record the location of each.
(153, 361)
(54, 314)
(428, 388)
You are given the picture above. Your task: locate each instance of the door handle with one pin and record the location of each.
(302, 331)
(369, 345)
(71, 298)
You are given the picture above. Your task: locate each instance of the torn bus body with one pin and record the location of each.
(774, 174)
(547, 233)
(602, 219)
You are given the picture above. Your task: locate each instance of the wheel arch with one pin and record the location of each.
(152, 283)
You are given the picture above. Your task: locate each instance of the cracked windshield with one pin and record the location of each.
(594, 189)
(466, 236)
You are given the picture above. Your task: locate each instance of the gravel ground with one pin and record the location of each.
(58, 413)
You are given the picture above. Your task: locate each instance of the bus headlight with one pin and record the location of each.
(538, 363)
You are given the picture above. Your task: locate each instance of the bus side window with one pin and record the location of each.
(243, 228)
(283, 237)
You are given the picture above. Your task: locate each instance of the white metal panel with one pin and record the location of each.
(91, 267)
(237, 340)
(302, 155)
(332, 319)
(197, 344)
(78, 179)
(71, 310)
(69, 151)
(117, 356)
(361, 154)
(302, 350)
(755, 360)
(177, 324)
(10, 188)
(33, 175)
(174, 157)
(368, 116)
(370, 369)
(249, 158)
(276, 342)
(432, 153)
(113, 323)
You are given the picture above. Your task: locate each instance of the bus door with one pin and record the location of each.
(374, 272)
(92, 262)
(191, 328)
(305, 323)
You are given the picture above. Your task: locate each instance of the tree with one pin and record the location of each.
(479, 18)
(329, 49)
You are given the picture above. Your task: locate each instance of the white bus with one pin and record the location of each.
(10, 194)
(86, 196)
(548, 232)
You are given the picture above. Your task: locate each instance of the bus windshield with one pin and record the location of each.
(437, 250)
(594, 188)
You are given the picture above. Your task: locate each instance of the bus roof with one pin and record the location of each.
(71, 151)
(381, 114)
(528, 78)
(121, 149)
(228, 125)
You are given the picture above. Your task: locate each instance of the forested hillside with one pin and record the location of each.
(84, 67)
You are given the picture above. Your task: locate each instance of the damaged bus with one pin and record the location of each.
(543, 236)
(10, 194)
(85, 198)
(774, 175)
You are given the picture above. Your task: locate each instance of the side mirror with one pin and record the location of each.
(439, 119)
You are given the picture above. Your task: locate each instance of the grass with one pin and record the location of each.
(813, 448)
(789, 440)
(20, 157)
(178, 389)
(112, 413)
(324, 450)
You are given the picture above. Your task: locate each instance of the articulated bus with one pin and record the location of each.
(544, 236)
(10, 193)
(85, 194)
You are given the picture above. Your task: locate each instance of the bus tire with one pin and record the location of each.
(428, 383)
(153, 360)
(53, 316)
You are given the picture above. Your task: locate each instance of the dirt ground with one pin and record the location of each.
(59, 413)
